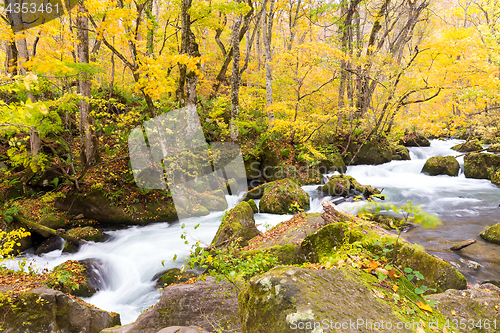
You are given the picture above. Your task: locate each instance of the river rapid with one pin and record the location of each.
(133, 256)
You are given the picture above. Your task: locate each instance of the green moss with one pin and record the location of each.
(468, 146)
(343, 185)
(284, 197)
(441, 165)
(481, 165)
(253, 205)
(236, 223)
(492, 234)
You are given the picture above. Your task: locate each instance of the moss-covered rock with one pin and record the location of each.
(438, 274)
(85, 233)
(287, 254)
(415, 140)
(257, 192)
(171, 276)
(97, 206)
(441, 165)
(387, 222)
(492, 234)
(481, 165)
(402, 152)
(322, 245)
(494, 148)
(46, 310)
(288, 298)
(81, 278)
(342, 185)
(333, 162)
(236, 223)
(368, 153)
(283, 197)
(50, 244)
(253, 205)
(468, 146)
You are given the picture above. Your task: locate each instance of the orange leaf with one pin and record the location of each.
(425, 307)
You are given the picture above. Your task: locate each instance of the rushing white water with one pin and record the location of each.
(465, 206)
(134, 255)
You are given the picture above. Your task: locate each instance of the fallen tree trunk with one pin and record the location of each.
(463, 244)
(43, 229)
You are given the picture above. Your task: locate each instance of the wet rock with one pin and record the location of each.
(85, 233)
(236, 223)
(171, 276)
(96, 206)
(481, 165)
(492, 234)
(284, 197)
(47, 310)
(441, 165)
(402, 152)
(288, 298)
(371, 153)
(480, 304)
(202, 304)
(50, 244)
(81, 278)
(468, 146)
(342, 185)
(415, 140)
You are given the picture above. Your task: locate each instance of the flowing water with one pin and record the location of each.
(134, 255)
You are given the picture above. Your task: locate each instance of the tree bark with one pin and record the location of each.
(235, 79)
(88, 141)
(267, 30)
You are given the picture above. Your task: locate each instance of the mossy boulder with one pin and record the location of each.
(253, 205)
(492, 234)
(402, 152)
(96, 205)
(323, 246)
(284, 197)
(291, 299)
(480, 303)
(481, 165)
(438, 274)
(441, 165)
(342, 185)
(270, 166)
(257, 192)
(85, 233)
(237, 222)
(332, 162)
(372, 153)
(50, 244)
(468, 146)
(494, 148)
(414, 140)
(81, 278)
(171, 276)
(205, 303)
(287, 254)
(386, 221)
(46, 310)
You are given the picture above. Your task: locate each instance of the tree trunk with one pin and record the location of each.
(235, 79)
(88, 140)
(267, 30)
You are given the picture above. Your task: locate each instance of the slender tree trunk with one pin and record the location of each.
(235, 78)
(267, 29)
(88, 140)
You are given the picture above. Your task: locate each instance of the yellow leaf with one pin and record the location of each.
(420, 330)
(453, 312)
(395, 288)
(425, 307)
(445, 330)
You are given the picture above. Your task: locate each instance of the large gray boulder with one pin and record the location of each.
(46, 310)
(286, 299)
(204, 304)
(473, 310)
(236, 223)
